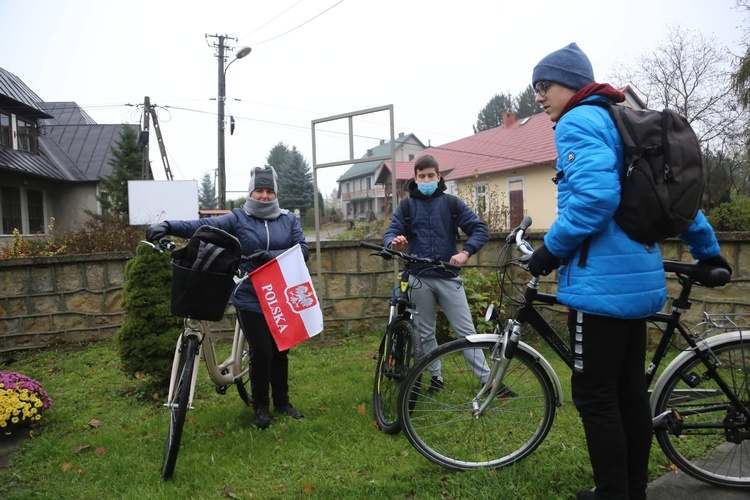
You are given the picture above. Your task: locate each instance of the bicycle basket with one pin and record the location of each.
(200, 294)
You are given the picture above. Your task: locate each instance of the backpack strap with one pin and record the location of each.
(452, 203)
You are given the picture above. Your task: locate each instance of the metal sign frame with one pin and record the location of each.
(351, 160)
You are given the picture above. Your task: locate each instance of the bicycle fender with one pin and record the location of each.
(672, 367)
(491, 337)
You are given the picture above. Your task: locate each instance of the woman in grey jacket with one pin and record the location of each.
(609, 282)
(265, 231)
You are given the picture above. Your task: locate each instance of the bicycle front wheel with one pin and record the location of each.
(178, 405)
(395, 358)
(443, 425)
(706, 436)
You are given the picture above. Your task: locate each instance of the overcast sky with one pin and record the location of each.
(438, 62)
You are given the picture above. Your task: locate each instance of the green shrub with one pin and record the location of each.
(732, 216)
(101, 234)
(148, 334)
(481, 291)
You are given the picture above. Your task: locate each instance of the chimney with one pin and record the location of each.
(382, 141)
(509, 119)
(369, 152)
(400, 134)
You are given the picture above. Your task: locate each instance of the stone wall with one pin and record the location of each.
(52, 300)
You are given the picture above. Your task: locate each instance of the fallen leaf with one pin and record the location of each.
(155, 395)
(219, 433)
(375, 424)
(138, 376)
(361, 409)
(51, 362)
(353, 473)
(80, 447)
(66, 466)
(100, 451)
(95, 423)
(191, 420)
(404, 453)
(283, 426)
(308, 489)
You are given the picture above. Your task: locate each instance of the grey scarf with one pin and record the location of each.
(262, 209)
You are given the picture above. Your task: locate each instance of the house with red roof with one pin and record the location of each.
(504, 173)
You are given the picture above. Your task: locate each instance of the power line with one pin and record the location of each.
(298, 26)
(272, 20)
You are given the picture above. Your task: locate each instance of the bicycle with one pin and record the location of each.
(700, 402)
(401, 344)
(196, 343)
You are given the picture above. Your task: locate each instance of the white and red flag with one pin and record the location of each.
(288, 299)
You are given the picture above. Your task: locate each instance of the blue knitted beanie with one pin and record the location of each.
(568, 66)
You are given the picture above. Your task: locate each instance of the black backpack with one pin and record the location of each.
(663, 181)
(202, 274)
(452, 202)
(210, 249)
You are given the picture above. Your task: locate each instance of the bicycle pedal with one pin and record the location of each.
(674, 423)
(221, 389)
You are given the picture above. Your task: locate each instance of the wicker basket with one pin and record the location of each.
(200, 294)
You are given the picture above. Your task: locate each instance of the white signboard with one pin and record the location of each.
(155, 201)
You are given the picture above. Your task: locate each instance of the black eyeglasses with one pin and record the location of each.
(541, 88)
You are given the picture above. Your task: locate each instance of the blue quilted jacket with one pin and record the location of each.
(605, 272)
(432, 232)
(276, 236)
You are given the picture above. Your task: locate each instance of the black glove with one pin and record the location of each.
(718, 261)
(260, 257)
(155, 232)
(543, 262)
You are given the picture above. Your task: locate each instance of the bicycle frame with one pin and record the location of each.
(222, 374)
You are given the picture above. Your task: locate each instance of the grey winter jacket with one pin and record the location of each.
(276, 236)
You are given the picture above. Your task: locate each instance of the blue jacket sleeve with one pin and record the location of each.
(701, 239)
(397, 227)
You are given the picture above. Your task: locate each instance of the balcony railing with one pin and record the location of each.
(364, 194)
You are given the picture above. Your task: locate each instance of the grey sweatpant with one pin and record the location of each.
(429, 292)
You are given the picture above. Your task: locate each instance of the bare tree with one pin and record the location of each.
(690, 74)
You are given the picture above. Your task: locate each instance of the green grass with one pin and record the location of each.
(104, 438)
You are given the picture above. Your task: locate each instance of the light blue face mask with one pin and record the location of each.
(427, 188)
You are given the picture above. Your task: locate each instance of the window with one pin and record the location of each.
(5, 130)
(480, 197)
(369, 182)
(35, 201)
(515, 196)
(27, 138)
(10, 205)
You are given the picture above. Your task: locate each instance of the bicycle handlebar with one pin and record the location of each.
(388, 253)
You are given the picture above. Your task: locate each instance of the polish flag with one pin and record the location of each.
(288, 299)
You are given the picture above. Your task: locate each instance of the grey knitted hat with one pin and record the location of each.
(263, 177)
(568, 66)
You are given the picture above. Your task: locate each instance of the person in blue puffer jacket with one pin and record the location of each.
(431, 234)
(265, 231)
(609, 282)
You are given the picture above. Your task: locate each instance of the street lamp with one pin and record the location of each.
(222, 179)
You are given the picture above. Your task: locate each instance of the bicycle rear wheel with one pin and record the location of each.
(243, 383)
(706, 436)
(178, 405)
(395, 358)
(442, 424)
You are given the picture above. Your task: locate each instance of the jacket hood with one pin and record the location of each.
(414, 190)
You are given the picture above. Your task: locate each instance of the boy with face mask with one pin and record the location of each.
(432, 234)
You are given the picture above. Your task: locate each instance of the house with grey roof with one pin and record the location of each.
(51, 157)
(362, 196)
